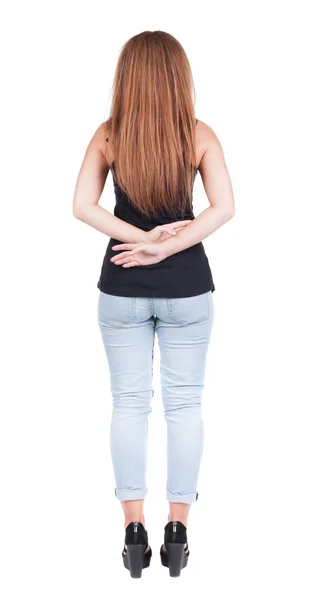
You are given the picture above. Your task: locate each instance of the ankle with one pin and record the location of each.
(179, 511)
(130, 520)
(177, 518)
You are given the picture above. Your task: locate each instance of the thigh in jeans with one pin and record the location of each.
(127, 328)
(184, 330)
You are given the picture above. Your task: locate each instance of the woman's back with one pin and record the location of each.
(186, 273)
(153, 150)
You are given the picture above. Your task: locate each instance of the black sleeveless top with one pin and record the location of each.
(186, 273)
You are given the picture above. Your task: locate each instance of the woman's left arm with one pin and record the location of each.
(218, 188)
(89, 186)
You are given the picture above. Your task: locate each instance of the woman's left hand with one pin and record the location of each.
(138, 254)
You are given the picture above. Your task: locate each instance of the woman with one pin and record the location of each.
(155, 277)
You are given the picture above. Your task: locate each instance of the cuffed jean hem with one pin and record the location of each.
(185, 498)
(133, 494)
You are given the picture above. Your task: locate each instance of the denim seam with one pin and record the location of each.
(132, 308)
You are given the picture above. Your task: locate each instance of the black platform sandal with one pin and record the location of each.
(176, 552)
(135, 554)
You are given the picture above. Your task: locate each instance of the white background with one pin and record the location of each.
(255, 531)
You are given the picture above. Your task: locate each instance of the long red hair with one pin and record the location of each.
(151, 127)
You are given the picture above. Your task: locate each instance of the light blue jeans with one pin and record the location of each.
(183, 326)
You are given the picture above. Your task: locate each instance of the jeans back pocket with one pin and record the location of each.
(193, 309)
(116, 311)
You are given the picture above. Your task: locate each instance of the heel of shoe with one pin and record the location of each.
(135, 555)
(134, 559)
(176, 554)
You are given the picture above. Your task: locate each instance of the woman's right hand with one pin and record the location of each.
(162, 232)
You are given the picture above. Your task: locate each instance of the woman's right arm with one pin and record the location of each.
(89, 187)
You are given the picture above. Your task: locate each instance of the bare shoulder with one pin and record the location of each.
(103, 129)
(101, 133)
(213, 170)
(206, 140)
(99, 140)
